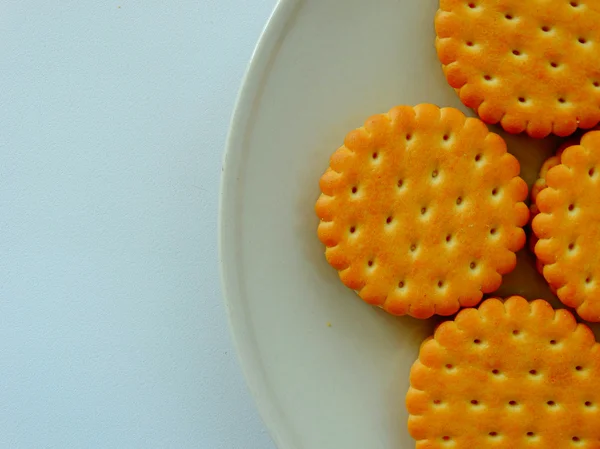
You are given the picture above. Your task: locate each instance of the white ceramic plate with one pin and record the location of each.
(321, 68)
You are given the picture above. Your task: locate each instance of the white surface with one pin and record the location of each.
(112, 125)
(320, 71)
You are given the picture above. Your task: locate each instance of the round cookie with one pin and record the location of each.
(568, 227)
(540, 185)
(529, 65)
(549, 163)
(510, 374)
(421, 211)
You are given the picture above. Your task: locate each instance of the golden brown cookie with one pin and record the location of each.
(531, 66)
(421, 211)
(540, 185)
(568, 227)
(509, 375)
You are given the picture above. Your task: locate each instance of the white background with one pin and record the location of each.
(113, 118)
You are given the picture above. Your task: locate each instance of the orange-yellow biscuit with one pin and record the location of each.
(552, 161)
(421, 211)
(568, 227)
(531, 66)
(540, 185)
(508, 375)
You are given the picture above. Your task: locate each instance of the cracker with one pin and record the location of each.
(540, 185)
(421, 211)
(568, 227)
(509, 374)
(529, 65)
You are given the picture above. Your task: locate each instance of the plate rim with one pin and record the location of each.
(250, 92)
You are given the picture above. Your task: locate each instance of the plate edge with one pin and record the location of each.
(267, 47)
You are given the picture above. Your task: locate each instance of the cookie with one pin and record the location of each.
(540, 185)
(509, 375)
(421, 211)
(531, 66)
(552, 161)
(568, 227)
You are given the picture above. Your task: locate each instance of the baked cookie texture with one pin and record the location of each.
(532, 66)
(422, 211)
(568, 227)
(538, 186)
(510, 374)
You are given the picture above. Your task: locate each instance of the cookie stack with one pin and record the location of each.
(422, 211)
